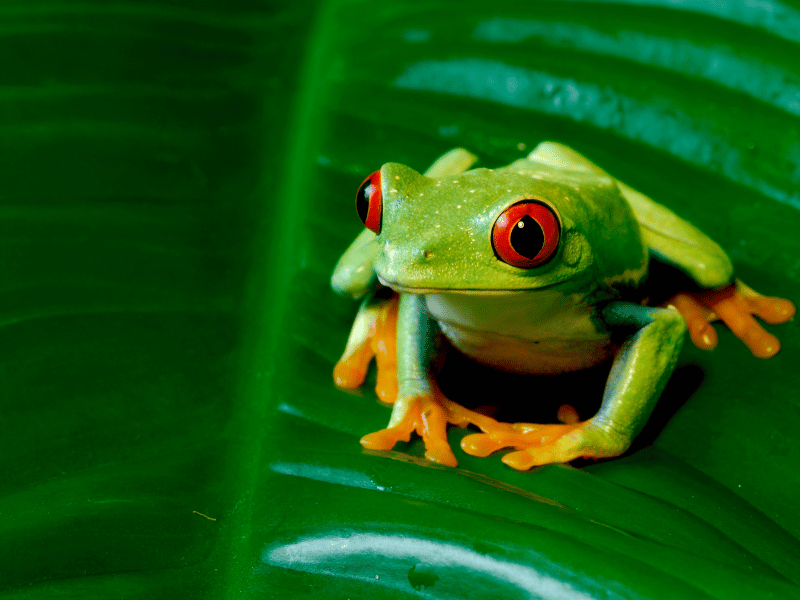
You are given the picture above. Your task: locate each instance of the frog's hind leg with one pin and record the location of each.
(735, 305)
(628, 400)
(373, 335)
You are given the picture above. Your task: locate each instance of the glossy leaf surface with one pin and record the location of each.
(178, 184)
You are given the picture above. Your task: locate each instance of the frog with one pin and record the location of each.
(538, 268)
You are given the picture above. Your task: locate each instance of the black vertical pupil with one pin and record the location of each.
(527, 237)
(362, 200)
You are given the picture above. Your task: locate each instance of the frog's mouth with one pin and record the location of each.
(405, 289)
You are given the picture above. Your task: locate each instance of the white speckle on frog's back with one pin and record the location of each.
(542, 332)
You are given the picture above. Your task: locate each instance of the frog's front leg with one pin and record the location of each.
(420, 405)
(638, 375)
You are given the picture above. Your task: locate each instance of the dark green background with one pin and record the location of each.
(177, 182)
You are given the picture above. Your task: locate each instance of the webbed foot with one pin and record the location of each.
(544, 444)
(428, 416)
(735, 305)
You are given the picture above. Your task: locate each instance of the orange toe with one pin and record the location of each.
(702, 334)
(380, 440)
(735, 305)
(761, 343)
(350, 372)
(439, 451)
(773, 310)
(480, 444)
(696, 316)
(521, 460)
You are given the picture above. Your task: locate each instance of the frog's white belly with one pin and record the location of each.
(542, 332)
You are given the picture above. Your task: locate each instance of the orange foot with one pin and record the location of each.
(426, 414)
(544, 444)
(429, 415)
(735, 305)
(374, 334)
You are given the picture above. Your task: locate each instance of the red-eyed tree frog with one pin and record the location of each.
(529, 268)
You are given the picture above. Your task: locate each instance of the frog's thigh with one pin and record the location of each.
(641, 368)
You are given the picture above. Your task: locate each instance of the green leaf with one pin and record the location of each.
(178, 181)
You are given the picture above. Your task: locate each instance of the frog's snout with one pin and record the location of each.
(399, 266)
(394, 255)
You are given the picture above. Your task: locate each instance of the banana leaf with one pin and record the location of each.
(177, 185)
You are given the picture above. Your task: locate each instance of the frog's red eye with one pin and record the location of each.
(369, 202)
(526, 234)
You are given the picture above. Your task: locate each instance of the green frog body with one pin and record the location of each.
(537, 268)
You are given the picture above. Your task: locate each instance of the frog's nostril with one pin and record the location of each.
(426, 254)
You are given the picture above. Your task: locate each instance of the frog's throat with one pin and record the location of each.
(404, 289)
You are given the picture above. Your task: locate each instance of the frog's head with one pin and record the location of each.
(483, 230)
